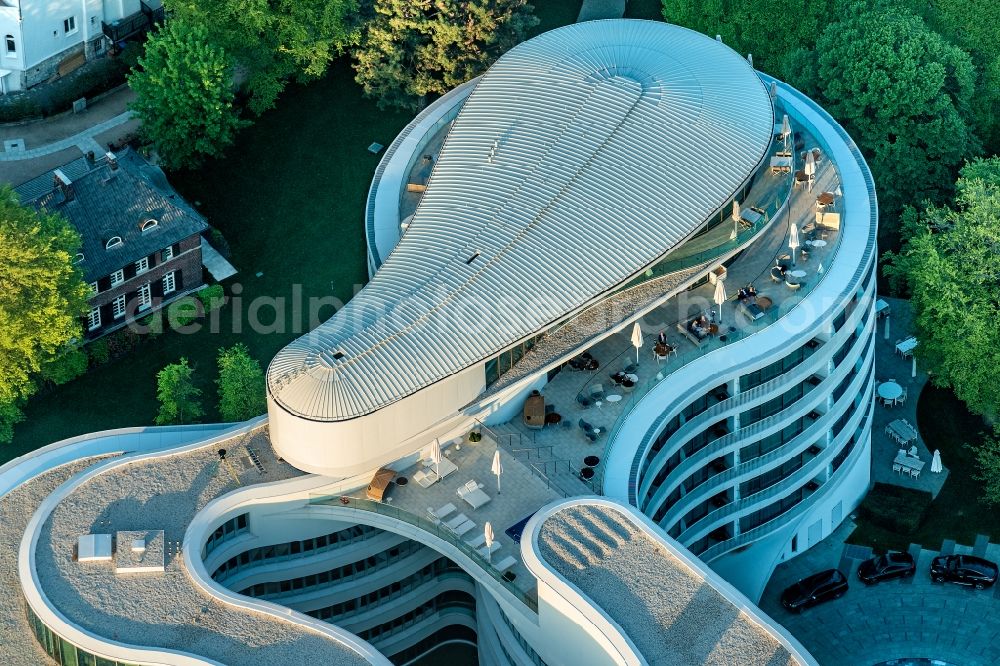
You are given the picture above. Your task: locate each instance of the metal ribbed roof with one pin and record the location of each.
(583, 155)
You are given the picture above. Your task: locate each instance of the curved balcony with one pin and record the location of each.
(815, 363)
(735, 440)
(763, 463)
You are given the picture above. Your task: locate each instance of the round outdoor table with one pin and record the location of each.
(614, 397)
(587, 473)
(401, 481)
(591, 461)
(819, 242)
(890, 391)
(798, 273)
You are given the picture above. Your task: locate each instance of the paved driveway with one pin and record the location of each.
(893, 620)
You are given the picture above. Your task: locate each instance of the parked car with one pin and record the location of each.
(964, 570)
(885, 567)
(820, 587)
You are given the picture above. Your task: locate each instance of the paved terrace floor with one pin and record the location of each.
(890, 365)
(557, 452)
(521, 494)
(166, 609)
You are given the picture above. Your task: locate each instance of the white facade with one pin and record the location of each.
(38, 35)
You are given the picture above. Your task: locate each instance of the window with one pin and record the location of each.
(117, 277)
(10, 46)
(144, 297)
(114, 241)
(148, 224)
(118, 307)
(142, 266)
(94, 319)
(169, 283)
(167, 254)
(94, 289)
(69, 25)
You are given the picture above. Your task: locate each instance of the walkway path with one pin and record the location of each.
(592, 10)
(46, 144)
(889, 365)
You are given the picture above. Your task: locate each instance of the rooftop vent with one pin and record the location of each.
(472, 258)
(94, 548)
(337, 355)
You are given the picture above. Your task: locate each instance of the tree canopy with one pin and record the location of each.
(241, 384)
(413, 49)
(951, 266)
(184, 94)
(902, 92)
(42, 294)
(180, 399)
(272, 40)
(988, 468)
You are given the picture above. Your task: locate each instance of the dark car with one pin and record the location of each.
(830, 584)
(884, 567)
(964, 570)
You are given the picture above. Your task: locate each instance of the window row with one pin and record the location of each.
(62, 651)
(117, 309)
(231, 528)
(345, 572)
(443, 601)
(139, 267)
(398, 588)
(284, 551)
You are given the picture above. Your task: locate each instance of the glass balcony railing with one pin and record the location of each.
(426, 525)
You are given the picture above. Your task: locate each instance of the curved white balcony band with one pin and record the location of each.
(855, 253)
(745, 505)
(817, 363)
(111, 649)
(603, 632)
(734, 441)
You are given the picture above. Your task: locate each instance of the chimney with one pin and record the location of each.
(112, 160)
(90, 158)
(63, 183)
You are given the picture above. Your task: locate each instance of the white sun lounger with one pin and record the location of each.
(505, 563)
(460, 524)
(494, 547)
(439, 513)
(425, 478)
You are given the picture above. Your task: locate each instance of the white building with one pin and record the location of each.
(517, 230)
(42, 39)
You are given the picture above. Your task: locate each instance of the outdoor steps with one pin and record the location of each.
(982, 543)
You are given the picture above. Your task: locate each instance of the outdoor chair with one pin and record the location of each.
(597, 392)
(586, 426)
(793, 285)
(896, 467)
(584, 401)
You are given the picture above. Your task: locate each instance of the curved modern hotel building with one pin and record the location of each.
(621, 263)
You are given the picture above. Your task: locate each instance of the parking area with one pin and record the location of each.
(898, 619)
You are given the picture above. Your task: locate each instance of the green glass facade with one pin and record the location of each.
(62, 651)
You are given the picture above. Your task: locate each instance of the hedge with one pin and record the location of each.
(894, 508)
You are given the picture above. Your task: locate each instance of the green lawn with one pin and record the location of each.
(289, 197)
(944, 424)
(651, 10)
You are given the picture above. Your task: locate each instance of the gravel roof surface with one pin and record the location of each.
(16, 508)
(166, 609)
(669, 611)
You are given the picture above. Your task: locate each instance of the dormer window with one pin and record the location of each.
(149, 224)
(113, 242)
(78, 259)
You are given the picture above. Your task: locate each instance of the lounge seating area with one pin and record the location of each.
(698, 330)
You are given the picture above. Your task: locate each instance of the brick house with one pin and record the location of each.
(141, 240)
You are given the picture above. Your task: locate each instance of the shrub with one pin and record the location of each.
(67, 366)
(99, 352)
(183, 311)
(151, 325)
(897, 509)
(219, 242)
(213, 297)
(121, 342)
(18, 107)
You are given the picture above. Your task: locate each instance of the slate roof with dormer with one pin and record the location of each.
(106, 203)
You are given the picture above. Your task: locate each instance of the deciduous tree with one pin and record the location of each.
(241, 385)
(903, 93)
(988, 468)
(272, 40)
(951, 266)
(184, 94)
(413, 49)
(180, 399)
(42, 294)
